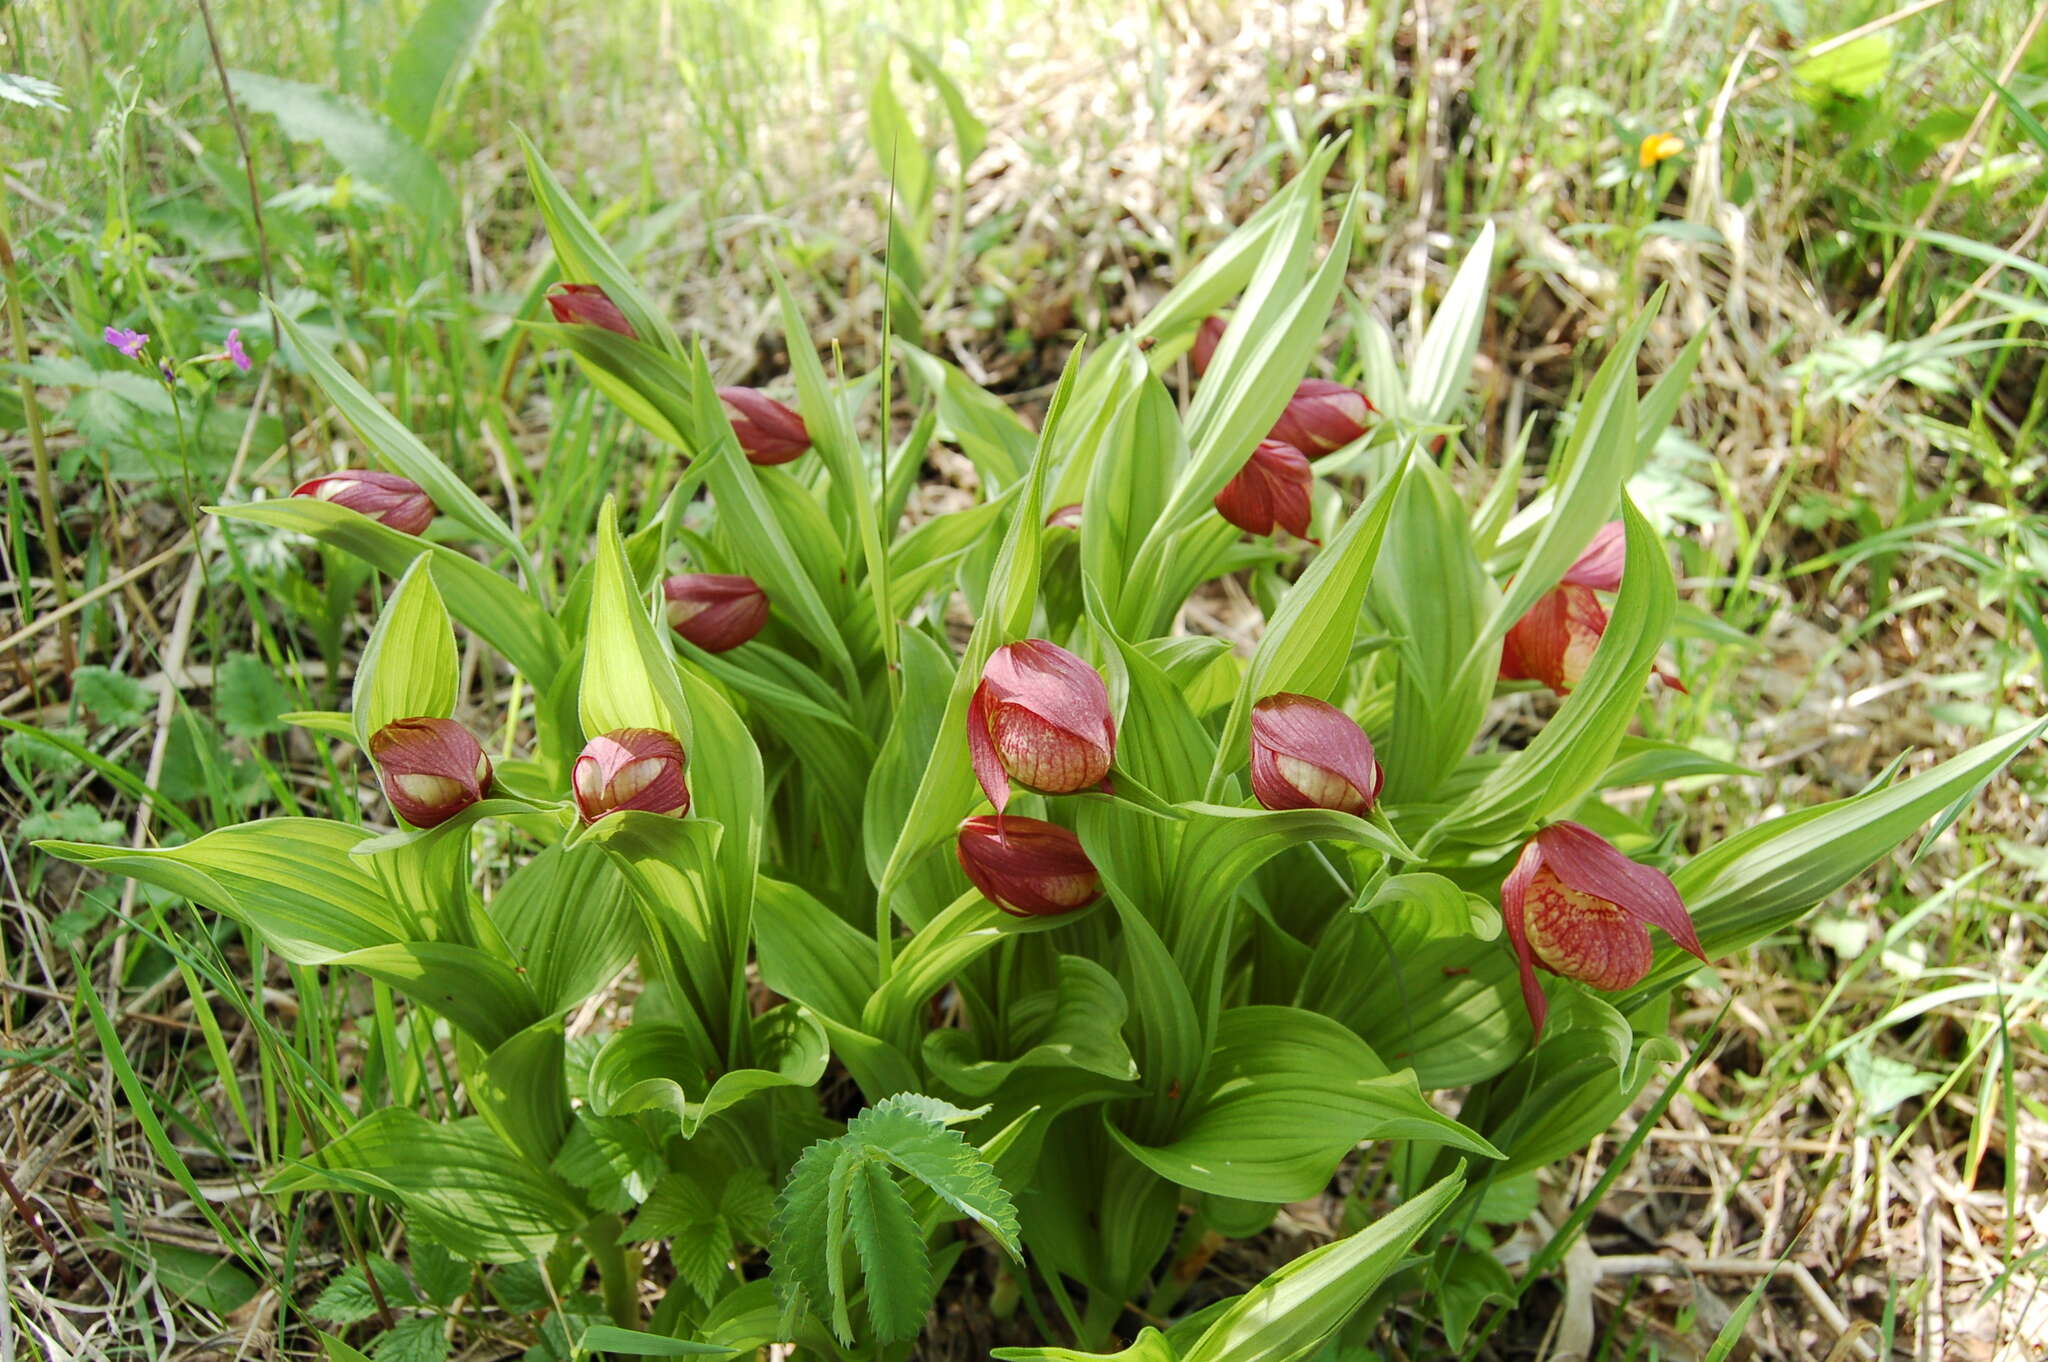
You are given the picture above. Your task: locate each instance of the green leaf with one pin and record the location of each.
(1306, 647)
(898, 150)
(472, 989)
(290, 879)
(982, 424)
(348, 1299)
(408, 668)
(443, 1276)
(568, 918)
(614, 1160)
(458, 1181)
(496, 609)
(366, 144)
(586, 259)
(1881, 1081)
(399, 449)
(1286, 1095)
(629, 675)
(430, 64)
(1854, 70)
(942, 1160)
(1469, 1282)
(1443, 362)
(610, 1338)
(892, 1256)
(800, 1256)
(111, 697)
(213, 1284)
(423, 1338)
(970, 134)
(248, 699)
(1767, 876)
(1077, 1024)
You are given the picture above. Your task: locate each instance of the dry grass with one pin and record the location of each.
(1930, 1215)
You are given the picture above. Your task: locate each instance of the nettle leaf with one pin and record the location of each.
(348, 1299)
(443, 1276)
(423, 1338)
(892, 1254)
(111, 697)
(836, 1194)
(408, 668)
(248, 698)
(367, 144)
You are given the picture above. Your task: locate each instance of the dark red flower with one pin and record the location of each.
(1025, 866)
(1270, 490)
(1067, 517)
(1322, 417)
(1310, 755)
(1039, 717)
(631, 768)
(769, 432)
(431, 769)
(1578, 907)
(716, 611)
(387, 498)
(588, 305)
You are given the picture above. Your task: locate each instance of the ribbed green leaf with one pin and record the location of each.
(408, 668)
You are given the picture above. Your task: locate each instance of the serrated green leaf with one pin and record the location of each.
(443, 1277)
(943, 1161)
(800, 1256)
(614, 1161)
(248, 699)
(111, 697)
(348, 1299)
(891, 1250)
(423, 1338)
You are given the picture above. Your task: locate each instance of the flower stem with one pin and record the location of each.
(618, 1269)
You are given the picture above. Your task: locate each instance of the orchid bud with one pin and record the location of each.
(1067, 517)
(588, 305)
(631, 768)
(1206, 341)
(1555, 641)
(431, 769)
(1322, 417)
(1310, 755)
(400, 503)
(1270, 490)
(770, 432)
(714, 610)
(1578, 907)
(1039, 717)
(1025, 866)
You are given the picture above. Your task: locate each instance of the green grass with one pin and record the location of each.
(1858, 470)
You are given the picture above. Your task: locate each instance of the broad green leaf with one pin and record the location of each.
(1853, 70)
(928, 671)
(615, 1162)
(292, 880)
(941, 949)
(430, 64)
(1443, 362)
(1567, 758)
(1076, 1025)
(487, 603)
(610, 1338)
(479, 994)
(398, 449)
(213, 1284)
(987, 431)
(568, 920)
(366, 144)
(810, 955)
(408, 668)
(1768, 876)
(1470, 1281)
(970, 134)
(586, 259)
(1290, 1314)
(898, 150)
(1306, 647)
(654, 1068)
(456, 1180)
(1286, 1095)
(521, 1089)
(629, 676)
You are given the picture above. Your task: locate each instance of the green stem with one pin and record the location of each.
(618, 1269)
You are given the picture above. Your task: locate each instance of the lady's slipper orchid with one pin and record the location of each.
(1322, 417)
(714, 610)
(1555, 641)
(400, 503)
(631, 768)
(1039, 717)
(1307, 754)
(588, 305)
(769, 432)
(1270, 490)
(1578, 907)
(431, 769)
(1206, 341)
(1026, 866)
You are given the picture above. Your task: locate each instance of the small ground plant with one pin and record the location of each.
(988, 928)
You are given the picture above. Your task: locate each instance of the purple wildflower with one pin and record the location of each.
(128, 342)
(235, 350)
